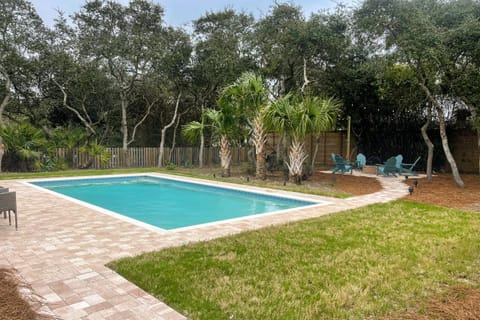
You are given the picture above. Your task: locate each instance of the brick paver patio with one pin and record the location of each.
(61, 249)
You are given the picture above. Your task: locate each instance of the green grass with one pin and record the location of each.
(356, 264)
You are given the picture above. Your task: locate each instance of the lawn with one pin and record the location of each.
(358, 264)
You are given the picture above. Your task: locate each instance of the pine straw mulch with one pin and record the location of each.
(460, 303)
(443, 191)
(343, 183)
(355, 185)
(17, 302)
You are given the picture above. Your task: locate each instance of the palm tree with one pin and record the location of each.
(240, 113)
(23, 142)
(249, 97)
(298, 116)
(224, 128)
(223, 125)
(335, 104)
(69, 138)
(193, 131)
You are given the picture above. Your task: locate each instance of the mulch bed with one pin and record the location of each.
(461, 303)
(14, 306)
(355, 185)
(443, 191)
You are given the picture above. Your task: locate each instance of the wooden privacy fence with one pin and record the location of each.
(147, 157)
(144, 157)
(328, 143)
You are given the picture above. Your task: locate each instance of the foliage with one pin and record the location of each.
(95, 151)
(277, 37)
(116, 67)
(296, 117)
(23, 145)
(192, 130)
(171, 166)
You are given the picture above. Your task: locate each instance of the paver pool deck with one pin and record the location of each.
(61, 248)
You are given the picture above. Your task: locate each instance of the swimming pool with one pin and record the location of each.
(169, 203)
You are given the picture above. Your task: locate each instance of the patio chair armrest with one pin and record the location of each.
(411, 165)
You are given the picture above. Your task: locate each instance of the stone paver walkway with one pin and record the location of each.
(61, 249)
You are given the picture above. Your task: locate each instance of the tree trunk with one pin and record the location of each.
(200, 152)
(478, 149)
(6, 98)
(259, 139)
(446, 148)
(202, 142)
(225, 156)
(172, 149)
(2, 151)
(124, 130)
(164, 131)
(443, 136)
(261, 169)
(429, 144)
(296, 158)
(3, 105)
(161, 149)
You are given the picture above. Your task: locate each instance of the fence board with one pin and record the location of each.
(147, 157)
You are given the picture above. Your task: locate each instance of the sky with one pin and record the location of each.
(182, 12)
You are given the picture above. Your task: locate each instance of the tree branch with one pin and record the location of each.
(175, 113)
(66, 105)
(6, 98)
(305, 79)
(149, 107)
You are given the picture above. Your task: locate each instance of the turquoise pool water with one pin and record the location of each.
(169, 204)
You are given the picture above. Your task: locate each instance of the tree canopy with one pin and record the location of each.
(116, 70)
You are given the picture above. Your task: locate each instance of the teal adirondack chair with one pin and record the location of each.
(361, 161)
(388, 169)
(341, 164)
(405, 168)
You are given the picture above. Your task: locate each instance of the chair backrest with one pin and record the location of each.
(390, 165)
(398, 161)
(338, 159)
(361, 160)
(8, 201)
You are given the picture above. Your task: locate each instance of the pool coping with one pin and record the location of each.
(61, 252)
(220, 184)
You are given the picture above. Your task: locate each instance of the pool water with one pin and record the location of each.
(169, 204)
